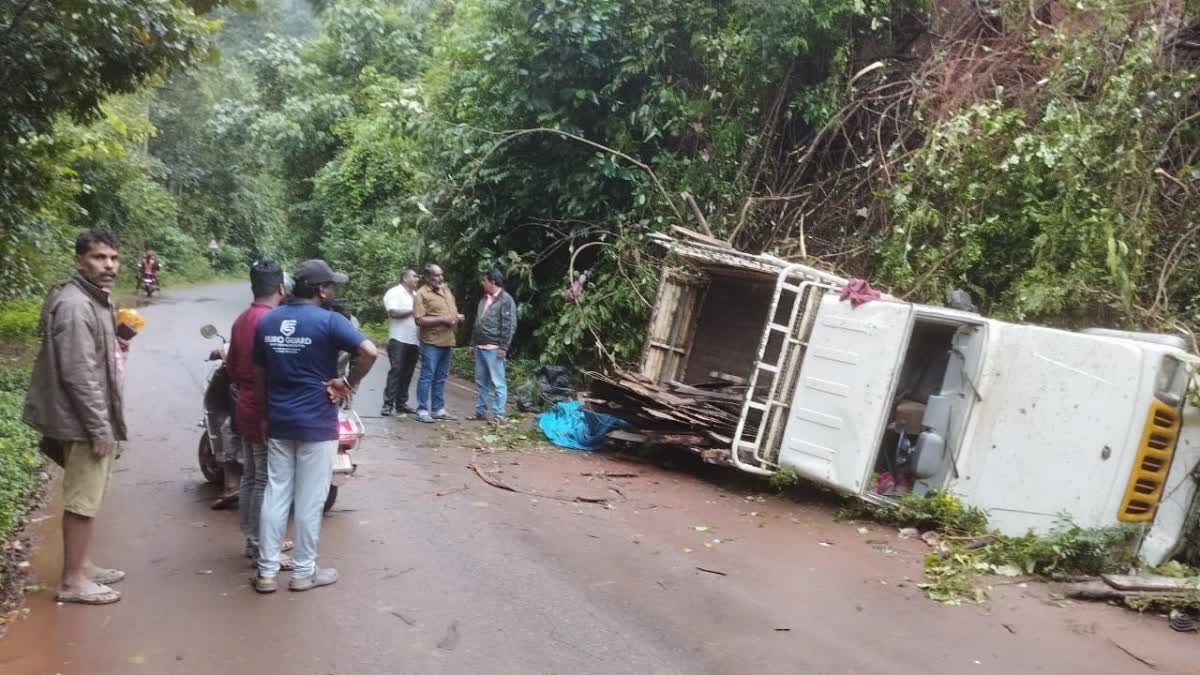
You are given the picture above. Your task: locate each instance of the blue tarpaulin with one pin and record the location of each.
(570, 426)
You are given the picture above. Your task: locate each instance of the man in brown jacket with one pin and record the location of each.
(75, 402)
(437, 318)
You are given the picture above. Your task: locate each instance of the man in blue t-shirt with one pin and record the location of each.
(295, 370)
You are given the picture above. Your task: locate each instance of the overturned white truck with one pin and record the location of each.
(1026, 422)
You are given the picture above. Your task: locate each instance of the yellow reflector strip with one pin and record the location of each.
(1149, 474)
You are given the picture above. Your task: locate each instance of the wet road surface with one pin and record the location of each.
(442, 573)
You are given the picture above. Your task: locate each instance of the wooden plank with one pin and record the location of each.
(662, 438)
(627, 436)
(662, 345)
(731, 379)
(724, 440)
(1149, 582)
(706, 393)
(703, 238)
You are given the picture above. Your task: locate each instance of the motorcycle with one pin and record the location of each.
(148, 283)
(218, 415)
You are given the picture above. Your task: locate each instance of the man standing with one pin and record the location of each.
(75, 401)
(267, 283)
(295, 373)
(402, 344)
(495, 324)
(437, 316)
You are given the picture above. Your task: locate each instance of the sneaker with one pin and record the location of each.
(264, 584)
(423, 416)
(385, 411)
(443, 416)
(324, 576)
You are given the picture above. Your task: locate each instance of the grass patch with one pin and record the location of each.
(521, 431)
(19, 320)
(937, 512)
(965, 551)
(783, 480)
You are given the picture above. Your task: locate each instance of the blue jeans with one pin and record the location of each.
(490, 377)
(299, 472)
(435, 368)
(253, 487)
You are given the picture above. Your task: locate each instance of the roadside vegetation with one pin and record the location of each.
(20, 460)
(965, 554)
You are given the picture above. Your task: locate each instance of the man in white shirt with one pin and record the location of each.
(402, 346)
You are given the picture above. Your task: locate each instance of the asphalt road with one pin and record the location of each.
(442, 573)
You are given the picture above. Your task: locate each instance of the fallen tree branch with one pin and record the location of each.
(501, 485)
(1147, 662)
(687, 199)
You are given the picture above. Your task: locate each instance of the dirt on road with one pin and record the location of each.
(591, 564)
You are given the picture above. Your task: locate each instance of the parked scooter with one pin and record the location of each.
(218, 414)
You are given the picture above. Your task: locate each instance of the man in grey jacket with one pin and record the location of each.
(75, 401)
(495, 324)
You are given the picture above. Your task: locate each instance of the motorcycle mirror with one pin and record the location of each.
(208, 331)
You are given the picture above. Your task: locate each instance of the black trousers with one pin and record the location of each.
(403, 358)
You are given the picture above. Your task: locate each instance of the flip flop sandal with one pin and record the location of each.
(101, 595)
(225, 502)
(106, 577)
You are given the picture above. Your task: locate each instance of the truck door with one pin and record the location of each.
(843, 397)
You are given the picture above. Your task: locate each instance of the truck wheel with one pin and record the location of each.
(330, 498)
(212, 470)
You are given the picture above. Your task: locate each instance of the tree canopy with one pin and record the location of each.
(1040, 156)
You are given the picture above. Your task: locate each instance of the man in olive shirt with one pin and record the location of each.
(437, 320)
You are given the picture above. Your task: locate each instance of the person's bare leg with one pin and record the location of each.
(77, 542)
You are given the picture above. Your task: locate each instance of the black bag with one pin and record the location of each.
(546, 386)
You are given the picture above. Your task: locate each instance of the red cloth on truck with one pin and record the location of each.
(858, 291)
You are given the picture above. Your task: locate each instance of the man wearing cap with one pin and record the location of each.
(295, 371)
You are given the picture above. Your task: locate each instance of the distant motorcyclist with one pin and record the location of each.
(149, 266)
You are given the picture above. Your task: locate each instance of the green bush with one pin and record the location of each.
(20, 460)
(19, 319)
(934, 511)
(231, 258)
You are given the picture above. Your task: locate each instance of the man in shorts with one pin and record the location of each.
(75, 402)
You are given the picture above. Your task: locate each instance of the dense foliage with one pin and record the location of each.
(1039, 156)
(73, 124)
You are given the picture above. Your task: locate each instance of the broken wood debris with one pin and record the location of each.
(700, 416)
